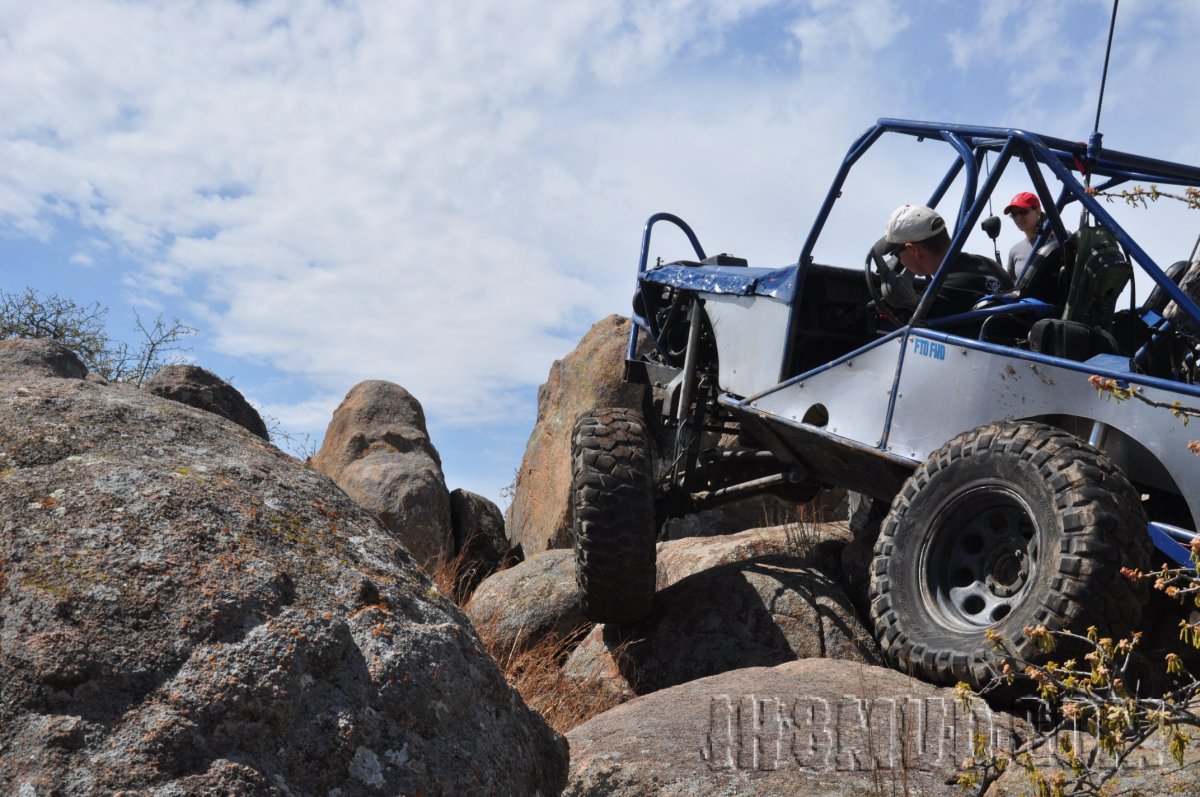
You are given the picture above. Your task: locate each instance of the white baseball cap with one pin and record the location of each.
(908, 224)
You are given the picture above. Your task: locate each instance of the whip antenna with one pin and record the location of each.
(1112, 26)
(1093, 145)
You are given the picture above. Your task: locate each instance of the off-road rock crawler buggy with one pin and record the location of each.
(1017, 491)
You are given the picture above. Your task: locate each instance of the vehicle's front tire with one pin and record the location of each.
(1005, 527)
(613, 515)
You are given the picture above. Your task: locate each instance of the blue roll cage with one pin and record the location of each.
(972, 143)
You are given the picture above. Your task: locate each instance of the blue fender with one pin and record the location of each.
(779, 283)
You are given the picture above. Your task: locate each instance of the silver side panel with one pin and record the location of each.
(751, 332)
(945, 389)
(854, 394)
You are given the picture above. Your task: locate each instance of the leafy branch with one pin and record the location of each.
(1141, 196)
(1109, 388)
(1097, 698)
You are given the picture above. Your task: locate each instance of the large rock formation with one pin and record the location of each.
(202, 389)
(807, 727)
(753, 613)
(818, 544)
(536, 599)
(775, 604)
(480, 544)
(378, 450)
(186, 610)
(21, 359)
(587, 378)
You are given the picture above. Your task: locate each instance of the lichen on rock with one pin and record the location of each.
(184, 609)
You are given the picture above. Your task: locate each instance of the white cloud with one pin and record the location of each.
(312, 413)
(831, 30)
(352, 191)
(446, 195)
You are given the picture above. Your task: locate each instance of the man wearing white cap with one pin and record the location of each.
(917, 235)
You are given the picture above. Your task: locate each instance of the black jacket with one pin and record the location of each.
(971, 278)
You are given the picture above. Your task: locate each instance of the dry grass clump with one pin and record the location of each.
(450, 575)
(533, 668)
(805, 526)
(457, 576)
(535, 672)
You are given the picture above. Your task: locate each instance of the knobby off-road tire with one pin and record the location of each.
(613, 518)
(865, 517)
(1007, 526)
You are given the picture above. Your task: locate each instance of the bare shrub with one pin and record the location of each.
(81, 328)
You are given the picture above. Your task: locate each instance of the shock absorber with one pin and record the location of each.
(685, 426)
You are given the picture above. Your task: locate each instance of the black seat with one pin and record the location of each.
(1082, 281)
(1158, 299)
(1161, 337)
(1044, 278)
(1134, 328)
(1070, 340)
(1189, 282)
(1100, 273)
(1085, 277)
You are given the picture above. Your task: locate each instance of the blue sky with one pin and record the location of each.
(447, 195)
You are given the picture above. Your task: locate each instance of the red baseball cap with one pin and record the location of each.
(1024, 200)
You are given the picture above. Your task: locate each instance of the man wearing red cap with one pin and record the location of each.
(1026, 213)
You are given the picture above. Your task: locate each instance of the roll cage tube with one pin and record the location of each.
(857, 150)
(967, 159)
(631, 350)
(963, 229)
(1144, 260)
(1059, 155)
(1043, 191)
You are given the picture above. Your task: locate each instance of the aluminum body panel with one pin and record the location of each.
(854, 392)
(750, 332)
(946, 388)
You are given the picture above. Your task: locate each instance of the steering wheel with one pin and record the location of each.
(874, 268)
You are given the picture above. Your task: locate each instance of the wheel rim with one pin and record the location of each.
(981, 557)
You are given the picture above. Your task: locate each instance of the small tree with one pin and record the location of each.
(1095, 717)
(1096, 697)
(82, 329)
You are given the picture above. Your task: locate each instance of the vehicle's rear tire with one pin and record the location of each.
(613, 515)
(1007, 526)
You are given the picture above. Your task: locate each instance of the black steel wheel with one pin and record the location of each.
(1005, 527)
(613, 515)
